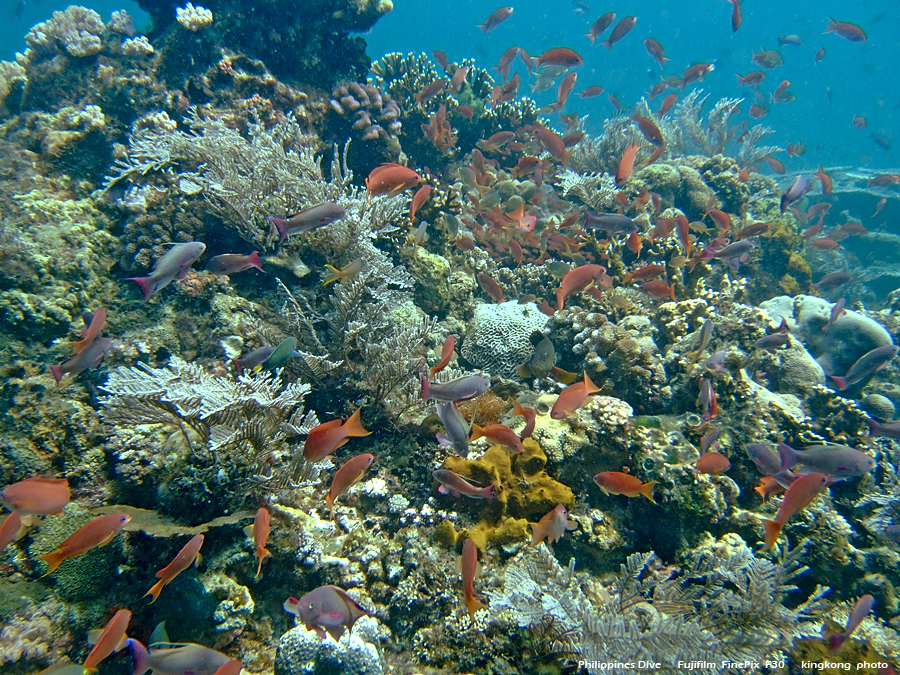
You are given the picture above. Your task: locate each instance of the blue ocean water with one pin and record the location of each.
(852, 79)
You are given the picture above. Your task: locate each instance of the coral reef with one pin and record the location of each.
(497, 338)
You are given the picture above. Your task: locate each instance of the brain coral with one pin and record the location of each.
(497, 337)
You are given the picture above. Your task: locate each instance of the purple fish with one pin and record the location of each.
(456, 485)
(460, 389)
(836, 312)
(181, 659)
(768, 462)
(838, 461)
(891, 429)
(307, 219)
(252, 359)
(731, 255)
(716, 361)
(611, 223)
(708, 406)
(773, 341)
(832, 280)
(175, 263)
(799, 187)
(456, 429)
(860, 611)
(89, 357)
(232, 263)
(326, 609)
(868, 364)
(709, 439)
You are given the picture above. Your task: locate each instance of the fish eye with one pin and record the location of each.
(311, 605)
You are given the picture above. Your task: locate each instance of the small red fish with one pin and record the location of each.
(626, 164)
(111, 639)
(418, 201)
(446, 355)
(573, 397)
(329, 436)
(825, 179)
(593, 90)
(490, 286)
(618, 483)
(620, 30)
(859, 122)
(558, 56)
(712, 463)
(12, 525)
(634, 243)
(848, 31)
(735, 15)
(469, 568)
(775, 165)
(600, 25)
(260, 537)
(182, 561)
(552, 526)
(799, 495)
(667, 104)
(350, 473)
(37, 496)
(497, 17)
(98, 532)
(655, 50)
(658, 288)
(881, 204)
(391, 179)
(92, 331)
(579, 279)
(499, 434)
(232, 263)
(820, 54)
(530, 417)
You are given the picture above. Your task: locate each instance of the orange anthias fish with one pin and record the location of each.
(573, 397)
(712, 463)
(558, 56)
(391, 179)
(735, 15)
(490, 286)
(825, 179)
(529, 415)
(626, 164)
(418, 201)
(848, 31)
(260, 536)
(499, 434)
(98, 532)
(183, 560)
(350, 473)
(579, 279)
(329, 436)
(552, 526)
(801, 492)
(634, 243)
(111, 639)
(618, 483)
(469, 568)
(446, 355)
(92, 332)
(36, 496)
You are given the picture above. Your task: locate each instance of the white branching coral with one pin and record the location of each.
(77, 30)
(122, 22)
(138, 46)
(243, 423)
(193, 18)
(726, 604)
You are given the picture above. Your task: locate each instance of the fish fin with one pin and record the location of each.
(841, 382)
(647, 490)
(159, 634)
(53, 559)
(331, 619)
(281, 225)
(474, 605)
(571, 525)
(563, 376)
(518, 408)
(537, 534)
(57, 373)
(107, 539)
(873, 426)
(146, 284)
(321, 633)
(336, 632)
(560, 299)
(443, 490)
(788, 456)
(249, 531)
(140, 655)
(772, 530)
(155, 590)
(426, 388)
(590, 386)
(489, 492)
(477, 432)
(262, 554)
(454, 493)
(334, 276)
(523, 370)
(443, 439)
(354, 427)
(292, 606)
(255, 261)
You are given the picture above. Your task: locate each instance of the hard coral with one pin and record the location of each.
(497, 337)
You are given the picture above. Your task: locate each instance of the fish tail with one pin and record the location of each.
(474, 605)
(140, 656)
(832, 26)
(330, 502)
(477, 432)
(873, 426)
(488, 492)
(78, 346)
(537, 534)
(672, 292)
(280, 225)
(590, 386)
(237, 366)
(608, 44)
(58, 373)
(354, 427)
(835, 642)
(518, 409)
(334, 276)
(146, 284)
(841, 382)
(53, 560)
(484, 28)
(426, 388)
(773, 530)
(254, 260)
(592, 36)
(155, 590)
(262, 554)
(647, 490)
